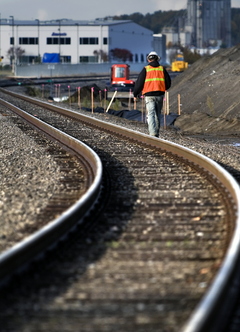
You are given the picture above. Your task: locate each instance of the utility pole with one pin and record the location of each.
(0, 36)
(13, 46)
(38, 38)
(59, 36)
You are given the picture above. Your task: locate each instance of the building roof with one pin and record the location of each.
(63, 21)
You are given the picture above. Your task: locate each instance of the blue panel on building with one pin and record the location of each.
(51, 58)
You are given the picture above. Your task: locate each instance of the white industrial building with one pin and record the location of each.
(75, 41)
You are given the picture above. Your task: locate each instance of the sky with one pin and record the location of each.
(86, 9)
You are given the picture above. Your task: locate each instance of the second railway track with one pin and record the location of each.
(154, 250)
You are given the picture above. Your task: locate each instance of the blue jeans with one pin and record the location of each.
(154, 107)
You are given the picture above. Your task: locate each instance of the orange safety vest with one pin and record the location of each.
(155, 80)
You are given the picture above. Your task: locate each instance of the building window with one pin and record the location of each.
(88, 41)
(66, 58)
(105, 41)
(83, 59)
(28, 41)
(25, 59)
(55, 41)
(87, 59)
(11, 41)
(66, 41)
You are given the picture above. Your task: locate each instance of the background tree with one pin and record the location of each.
(160, 19)
(15, 53)
(121, 54)
(155, 21)
(101, 55)
(190, 56)
(235, 25)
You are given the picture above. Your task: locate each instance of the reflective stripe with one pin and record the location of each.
(149, 68)
(154, 79)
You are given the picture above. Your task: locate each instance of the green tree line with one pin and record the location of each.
(235, 25)
(160, 19)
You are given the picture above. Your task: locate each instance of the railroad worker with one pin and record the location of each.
(152, 82)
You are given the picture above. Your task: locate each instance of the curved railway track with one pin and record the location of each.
(91, 170)
(160, 240)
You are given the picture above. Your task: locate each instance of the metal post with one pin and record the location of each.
(77, 42)
(59, 37)
(38, 38)
(179, 104)
(59, 40)
(101, 47)
(51, 68)
(0, 34)
(13, 45)
(51, 86)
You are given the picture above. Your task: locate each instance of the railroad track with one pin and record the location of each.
(73, 205)
(160, 240)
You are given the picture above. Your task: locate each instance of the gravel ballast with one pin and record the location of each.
(39, 309)
(29, 175)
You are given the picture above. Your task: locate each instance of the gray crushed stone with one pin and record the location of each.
(28, 177)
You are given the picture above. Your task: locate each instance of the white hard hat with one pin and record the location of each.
(153, 55)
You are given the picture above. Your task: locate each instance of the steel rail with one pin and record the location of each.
(206, 310)
(197, 158)
(19, 255)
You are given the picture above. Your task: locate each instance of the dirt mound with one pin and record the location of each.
(210, 87)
